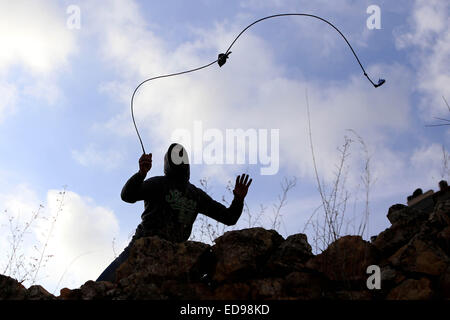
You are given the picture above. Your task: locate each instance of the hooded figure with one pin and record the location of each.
(171, 204)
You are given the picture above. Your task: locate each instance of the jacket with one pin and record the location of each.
(172, 203)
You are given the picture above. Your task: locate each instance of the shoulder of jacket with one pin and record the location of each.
(156, 179)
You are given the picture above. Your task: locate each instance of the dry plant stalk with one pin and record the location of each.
(23, 268)
(327, 220)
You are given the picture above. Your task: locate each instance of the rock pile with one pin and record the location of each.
(413, 255)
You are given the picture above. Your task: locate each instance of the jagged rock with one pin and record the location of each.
(390, 276)
(444, 284)
(353, 295)
(441, 212)
(243, 253)
(68, 294)
(396, 207)
(412, 289)
(269, 288)
(232, 291)
(185, 291)
(443, 239)
(141, 291)
(255, 263)
(306, 285)
(37, 292)
(403, 214)
(133, 287)
(92, 290)
(290, 255)
(406, 223)
(393, 238)
(153, 259)
(11, 289)
(420, 256)
(345, 260)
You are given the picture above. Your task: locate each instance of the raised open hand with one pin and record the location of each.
(241, 187)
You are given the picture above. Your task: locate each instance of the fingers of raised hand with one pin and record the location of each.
(243, 180)
(246, 179)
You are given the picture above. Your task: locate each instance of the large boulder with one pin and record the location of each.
(268, 288)
(346, 261)
(412, 289)
(444, 284)
(90, 290)
(153, 259)
(393, 238)
(232, 291)
(243, 253)
(402, 213)
(37, 292)
(290, 256)
(306, 285)
(420, 256)
(11, 289)
(443, 239)
(441, 212)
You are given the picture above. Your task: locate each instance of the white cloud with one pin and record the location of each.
(36, 45)
(430, 160)
(8, 92)
(348, 16)
(17, 208)
(428, 37)
(20, 202)
(44, 89)
(34, 35)
(92, 155)
(80, 239)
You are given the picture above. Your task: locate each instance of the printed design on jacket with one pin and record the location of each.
(186, 207)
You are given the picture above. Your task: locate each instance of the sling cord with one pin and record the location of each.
(222, 58)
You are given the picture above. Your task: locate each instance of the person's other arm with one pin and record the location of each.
(218, 211)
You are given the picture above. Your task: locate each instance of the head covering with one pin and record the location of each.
(176, 163)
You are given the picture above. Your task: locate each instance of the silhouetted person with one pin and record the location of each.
(417, 192)
(443, 185)
(172, 203)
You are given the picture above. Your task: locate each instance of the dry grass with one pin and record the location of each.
(328, 220)
(207, 229)
(20, 265)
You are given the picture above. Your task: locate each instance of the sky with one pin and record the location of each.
(68, 145)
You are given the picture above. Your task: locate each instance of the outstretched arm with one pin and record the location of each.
(218, 211)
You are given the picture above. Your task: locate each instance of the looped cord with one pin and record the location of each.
(222, 59)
